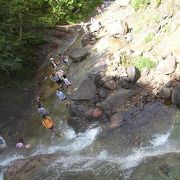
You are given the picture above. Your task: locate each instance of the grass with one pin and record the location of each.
(137, 4)
(139, 62)
(149, 37)
(143, 62)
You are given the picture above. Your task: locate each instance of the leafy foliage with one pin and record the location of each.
(23, 20)
(137, 4)
(143, 62)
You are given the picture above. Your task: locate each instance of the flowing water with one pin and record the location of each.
(80, 158)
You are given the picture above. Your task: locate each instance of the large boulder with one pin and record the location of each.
(29, 168)
(176, 95)
(77, 109)
(118, 27)
(86, 91)
(166, 66)
(115, 102)
(165, 93)
(97, 113)
(78, 54)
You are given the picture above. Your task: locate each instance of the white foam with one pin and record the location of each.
(77, 143)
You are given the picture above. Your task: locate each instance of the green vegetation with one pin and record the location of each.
(137, 4)
(22, 24)
(149, 37)
(143, 62)
(139, 62)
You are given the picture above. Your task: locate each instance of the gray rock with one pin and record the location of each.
(165, 93)
(110, 85)
(86, 91)
(166, 66)
(176, 95)
(103, 93)
(118, 28)
(133, 74)
(77, 110)
(78, 54)
(116, 101)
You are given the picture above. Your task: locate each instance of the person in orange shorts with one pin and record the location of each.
(48, 123)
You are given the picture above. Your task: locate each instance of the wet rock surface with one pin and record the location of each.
(86, 91)
(160, 167)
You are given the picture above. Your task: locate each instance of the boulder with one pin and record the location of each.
(86, 91)
(89, 113)
(97, 113)
(118, 28)
(79, 124)
(116, 120)
(176, 95)
(166, 66)
(103, 93)
(116, 101)
(165, 93)
(78, 54)
(77, 110)
(133, 74)
(96, 76)
(111, 84)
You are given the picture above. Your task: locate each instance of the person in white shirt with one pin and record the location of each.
(60, 95)
(66, 81)
(53, 63)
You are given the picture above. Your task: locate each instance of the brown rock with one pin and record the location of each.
(116, 120)
(110, 84)
(97, 113)
(89, 113)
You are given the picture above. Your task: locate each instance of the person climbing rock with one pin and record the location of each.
(60, 95)
(42, 111)
(21, 144)
(2, 142)
(55, 77)
(66, 81)
(53, 63)
(64, 59)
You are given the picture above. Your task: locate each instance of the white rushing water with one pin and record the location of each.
(78, 142)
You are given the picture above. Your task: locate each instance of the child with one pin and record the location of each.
(21, 145)
(66, 81)
(60, 95)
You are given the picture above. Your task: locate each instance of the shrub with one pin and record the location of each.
(137, 4)
(149, 37)
(143, 62)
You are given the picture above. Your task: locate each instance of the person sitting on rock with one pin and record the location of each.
(60, 73)
(60, 95)
(42, 111)
(2, 142)
(21, 144)
(55, 77)
(66, 81)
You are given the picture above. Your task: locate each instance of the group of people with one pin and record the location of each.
(61, 79)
